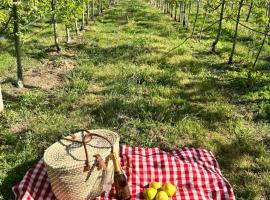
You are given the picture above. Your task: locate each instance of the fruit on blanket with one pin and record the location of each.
(150, 193)
(169, 188)
(161, 195)
(155, 185)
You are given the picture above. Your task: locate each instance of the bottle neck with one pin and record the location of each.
(116, 163)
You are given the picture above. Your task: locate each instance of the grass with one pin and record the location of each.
(125, 80)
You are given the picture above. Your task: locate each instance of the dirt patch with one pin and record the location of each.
(18, 127)
(53, 55)
(50, 76)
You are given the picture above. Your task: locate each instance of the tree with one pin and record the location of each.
(16, 32)
(76, 27)
(180, 12)
(93, 9)
(101, 6)
(236, 31)
(204, 18)
(196, 17)
(98, 7)
(88, 12)
(249, 10)
(68, 12)
(175, 11)
(253, 69)
(54, 21)
(267, 8)
(219, 26)
(1, 101)
(83, 14)
(185, 18)
(187, 14)
(67, 34)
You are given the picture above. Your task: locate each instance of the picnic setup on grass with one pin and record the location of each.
(135, 99)
(90, 164)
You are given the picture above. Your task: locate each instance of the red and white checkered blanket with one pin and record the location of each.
(194, 171)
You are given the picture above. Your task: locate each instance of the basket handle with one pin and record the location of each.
(84, 142)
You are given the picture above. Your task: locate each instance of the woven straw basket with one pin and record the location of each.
(79, 167)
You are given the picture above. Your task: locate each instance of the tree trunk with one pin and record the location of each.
(249, 11)
(93, 8)
(98, 7)
(184, 15)
(219, 26)
(56, 43)
(1, 101)
(261, 47)
(253, 69)
(236, 31)
(16, 31)
(196, 17)
(83, 17)
(76, 27)
(180, 11)
(267, 9)
(164, 7)
(204, 19)
(171, 10)
(101, 6)
(67, 35)
(175, 12)
(88, 12)
(188, 14)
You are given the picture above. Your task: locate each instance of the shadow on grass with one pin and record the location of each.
(13, 177)
(125, 52)
(190, 99)
(245, 182)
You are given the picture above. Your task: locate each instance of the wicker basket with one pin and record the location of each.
(79, 167)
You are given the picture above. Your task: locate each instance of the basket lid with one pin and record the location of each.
(69, 154)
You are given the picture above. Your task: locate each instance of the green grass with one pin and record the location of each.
(125, 80)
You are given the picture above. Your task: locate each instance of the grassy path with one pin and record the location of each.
(125, 80)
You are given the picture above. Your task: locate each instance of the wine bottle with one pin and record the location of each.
(120, 180)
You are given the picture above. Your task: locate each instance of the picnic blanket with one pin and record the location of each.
(194, 171)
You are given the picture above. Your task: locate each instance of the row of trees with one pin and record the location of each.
(16, 15)
(214, 13)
